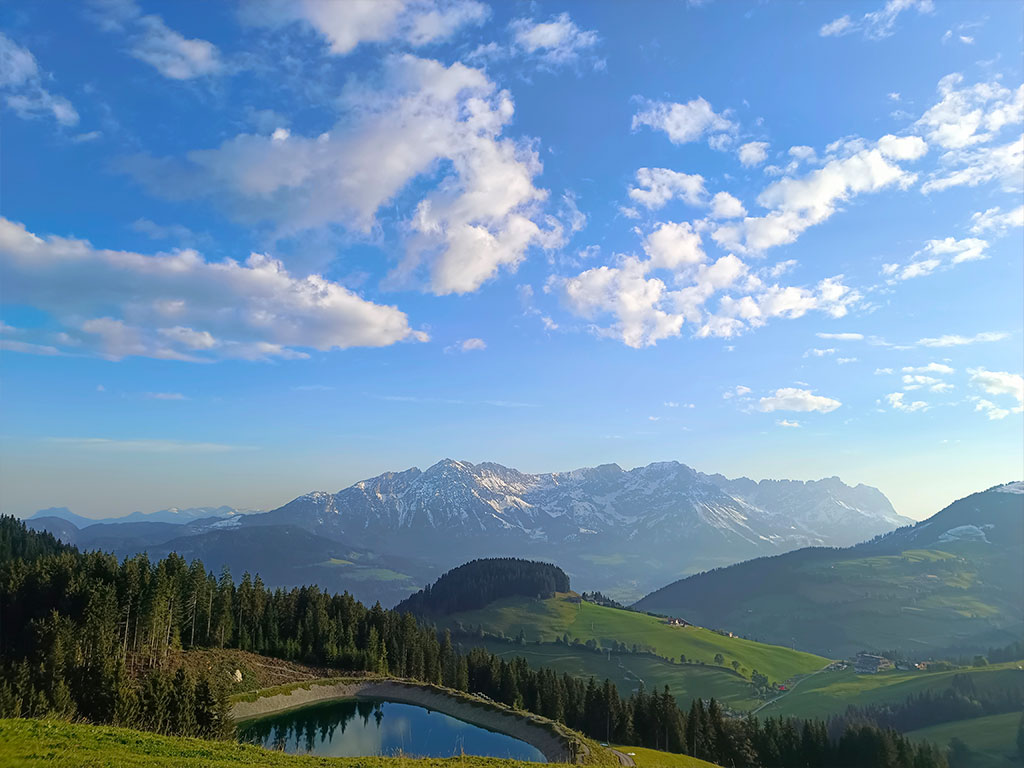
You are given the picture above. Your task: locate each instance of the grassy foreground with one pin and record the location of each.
(992, 740)
(71, 745)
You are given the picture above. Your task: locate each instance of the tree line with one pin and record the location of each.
(480, 582)
(963, 700)
(84, 635)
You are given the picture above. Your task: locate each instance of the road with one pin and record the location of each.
(789, 690)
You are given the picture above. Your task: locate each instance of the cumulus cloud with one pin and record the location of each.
(955, 340)
(999, 383)
(725, 206)
(753, 153)
(673, 245)
(965, 122)
(819, 352)
(180, 306)
(346, 25)
(897, 402)
(481, 216)
(684, 123)
(996, 221)
(657, 186)
(21, 84)
(794, 399)
(970, 115)
(788, 423)
(796, 203)
(555, 42)
(875, 25)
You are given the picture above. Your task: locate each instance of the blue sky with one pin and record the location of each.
(249, 250)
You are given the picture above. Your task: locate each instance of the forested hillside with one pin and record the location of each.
(481, 582)
(951, 584)
(84, 636)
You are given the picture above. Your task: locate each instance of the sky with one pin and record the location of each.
(253, 249)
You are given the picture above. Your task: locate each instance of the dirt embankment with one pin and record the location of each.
(538, 733)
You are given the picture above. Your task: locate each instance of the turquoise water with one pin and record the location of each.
(361, 727)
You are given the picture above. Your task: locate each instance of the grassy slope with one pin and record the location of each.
(74, 745)
(829, 693)
(993, 739)
(546, 620)
(35, 742)
(686, 682)
(650, 758)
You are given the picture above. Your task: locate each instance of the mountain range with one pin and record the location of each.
(951, 583)
(623, 532)
(171, 515)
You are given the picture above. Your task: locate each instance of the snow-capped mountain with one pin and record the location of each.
(666, 512)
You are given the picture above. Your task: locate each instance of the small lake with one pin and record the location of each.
(363, 727)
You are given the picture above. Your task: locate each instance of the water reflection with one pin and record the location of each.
(360, 727)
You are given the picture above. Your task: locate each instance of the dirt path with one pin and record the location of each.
(624, 759)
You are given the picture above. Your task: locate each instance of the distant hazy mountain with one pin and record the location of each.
(615, 528)
(170, 515)
(952, 582)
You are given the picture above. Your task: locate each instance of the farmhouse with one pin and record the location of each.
(673, 622)
(869, 664)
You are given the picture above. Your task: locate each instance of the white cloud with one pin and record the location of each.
(999, 383)
(725, 206)
(554, 42)
(819, 352)
(165, 396)
(882, 371)
(1003, 163)
(841, 336)
(793, 399)
(423, 117)
(954, 340)
(673, 245)
(684, 123)
(845, 360)
(21, 84)
(875, 25)
(737, 391)
(471, 345)
(795, 204)
(990, 409)
(968, 249)
(179, 306)
(172, 54)
(346, 25)
(940, 368)
(995, 220)
(753, 153)
(895, 400)
(656, 186)
(788, 423)
(970, 115)
(948, 251)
